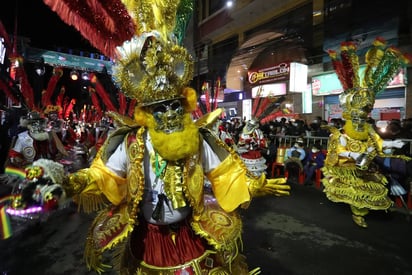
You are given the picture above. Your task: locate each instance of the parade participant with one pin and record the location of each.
(34, 143)
(348, 174)
(150, 173)
(252, 141)
(54, 122)
(32, 196)
(250, 146)
(224, 135)
(44, 127)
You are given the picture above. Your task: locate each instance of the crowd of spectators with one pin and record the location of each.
(318, 127)
(306, 136)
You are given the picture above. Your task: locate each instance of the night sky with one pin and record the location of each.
(36, 21)
(45, 30)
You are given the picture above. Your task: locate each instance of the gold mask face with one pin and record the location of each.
(358, 123)
(168, 116)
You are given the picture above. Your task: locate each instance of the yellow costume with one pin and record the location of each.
(213, 215)
(346, 182)
(168, 188)
(350, 176)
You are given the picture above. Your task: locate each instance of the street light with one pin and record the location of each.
(85, 76)
(40, 70)
(39, 67)
(74, 75)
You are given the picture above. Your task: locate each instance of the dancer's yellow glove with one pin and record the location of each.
(263, 187)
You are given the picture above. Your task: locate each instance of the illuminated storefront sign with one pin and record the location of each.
(272, 74)
(295, 74)
(328, 84)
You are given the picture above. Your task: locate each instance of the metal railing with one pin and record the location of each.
(287, 141)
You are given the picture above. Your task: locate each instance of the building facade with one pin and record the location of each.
(232, 43)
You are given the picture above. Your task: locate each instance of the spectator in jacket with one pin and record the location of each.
(315, 160)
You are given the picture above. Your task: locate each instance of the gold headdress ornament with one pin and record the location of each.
(382, 63)
(150, 65)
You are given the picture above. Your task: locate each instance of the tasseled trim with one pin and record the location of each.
(255, 271)
(357, 188)
(346, 172)
(119, 256)
(90, 202)
(93, 258)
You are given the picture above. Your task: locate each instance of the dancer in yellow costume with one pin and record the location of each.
(350, 176)
(167, 187)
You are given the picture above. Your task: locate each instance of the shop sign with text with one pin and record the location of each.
(279, 72)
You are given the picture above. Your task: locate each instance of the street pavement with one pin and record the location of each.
(302, 234)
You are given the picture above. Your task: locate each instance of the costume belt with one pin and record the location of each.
(204, 264)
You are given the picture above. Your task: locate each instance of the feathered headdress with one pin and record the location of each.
(209, 103)
(142, 36)
(382, 63)
(264, 108)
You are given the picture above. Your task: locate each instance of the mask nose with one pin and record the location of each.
(170, 115)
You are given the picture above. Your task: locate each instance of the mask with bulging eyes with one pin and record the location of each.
(168, 116)
(358, 123)
(38, 131)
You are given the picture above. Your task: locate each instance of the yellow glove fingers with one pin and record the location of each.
(277, 181)
(279, 193)
(276, 188)
(279, 187)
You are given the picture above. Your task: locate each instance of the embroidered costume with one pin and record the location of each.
(186, 203)
(167, 188)
(251, 140)
(350, 176)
